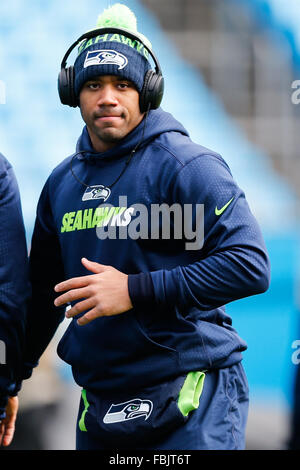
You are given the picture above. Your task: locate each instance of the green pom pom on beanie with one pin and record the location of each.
(120, 16)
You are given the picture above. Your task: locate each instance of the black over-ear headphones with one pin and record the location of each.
(153, 87)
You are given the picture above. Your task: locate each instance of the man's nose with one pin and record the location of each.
(107, 96)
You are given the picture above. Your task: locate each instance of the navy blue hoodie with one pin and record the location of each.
(14, 285)
(178, 321)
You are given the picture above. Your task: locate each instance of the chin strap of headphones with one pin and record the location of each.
(132, 153)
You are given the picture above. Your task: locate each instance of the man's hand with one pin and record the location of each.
(104, 293)
(7, 426)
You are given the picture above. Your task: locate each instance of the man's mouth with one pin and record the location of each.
(108, 118)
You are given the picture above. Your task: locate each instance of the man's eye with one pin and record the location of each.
(123, 85)
(93, 86)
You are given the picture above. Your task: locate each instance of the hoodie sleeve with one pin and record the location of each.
(14, 285)
(45, 270)
(230, 261)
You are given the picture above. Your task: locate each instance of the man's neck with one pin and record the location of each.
(99, 145)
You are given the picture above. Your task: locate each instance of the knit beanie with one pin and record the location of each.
(113, 54)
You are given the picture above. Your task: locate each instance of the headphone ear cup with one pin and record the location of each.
(66, 81)
(159, 91)
(152, 91)
(61, 85)
(73, 99)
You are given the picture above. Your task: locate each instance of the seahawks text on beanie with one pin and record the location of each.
(111, 53)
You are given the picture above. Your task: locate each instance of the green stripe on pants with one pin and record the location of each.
(81, 423)
(190, 393)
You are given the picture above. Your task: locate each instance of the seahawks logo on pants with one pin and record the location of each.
(131, 409)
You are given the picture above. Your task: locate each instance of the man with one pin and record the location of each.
(149, 343)
(14, 291)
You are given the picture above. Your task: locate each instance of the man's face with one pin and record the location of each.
(109, 106)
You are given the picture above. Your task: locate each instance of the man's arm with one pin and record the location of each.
(233, 262)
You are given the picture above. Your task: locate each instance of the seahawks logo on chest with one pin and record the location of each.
(96, 192)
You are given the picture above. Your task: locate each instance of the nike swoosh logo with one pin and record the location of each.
(220, 211)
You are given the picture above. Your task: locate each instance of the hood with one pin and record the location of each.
(158, 122)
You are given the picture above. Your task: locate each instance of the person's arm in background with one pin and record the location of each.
(45, 269)
(14, 294)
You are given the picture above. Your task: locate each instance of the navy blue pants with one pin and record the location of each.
(218, 423)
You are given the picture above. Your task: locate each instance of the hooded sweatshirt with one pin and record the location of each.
(14, 285)
(183, 266)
